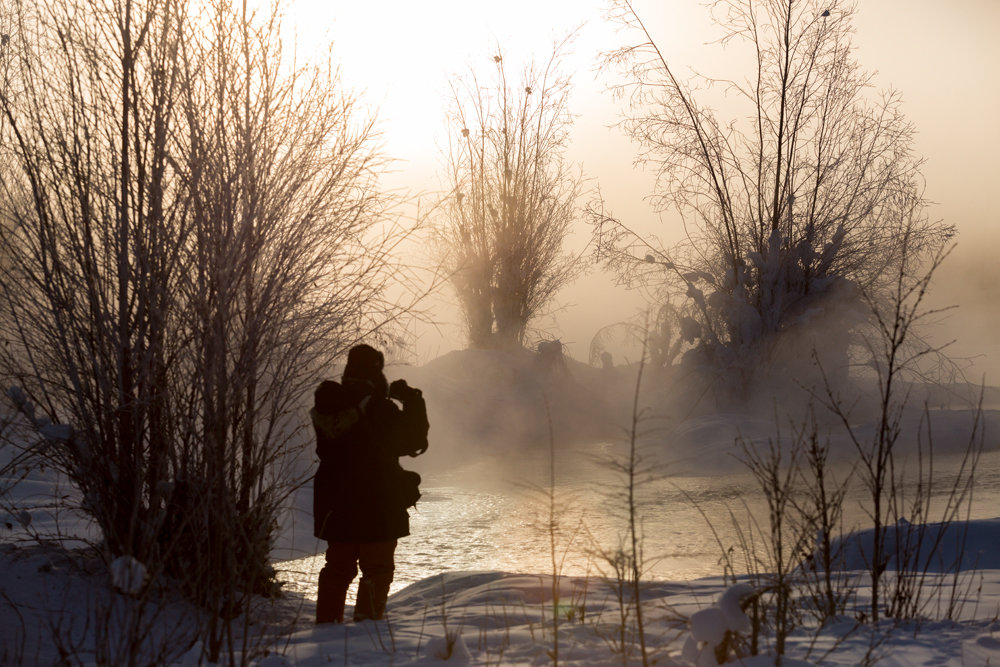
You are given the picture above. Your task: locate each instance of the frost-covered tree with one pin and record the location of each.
(794, 198)
(513, 198)
(193, 229)
(90, 244)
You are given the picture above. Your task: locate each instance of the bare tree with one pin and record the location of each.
(513, 198)
(91, 245)
(286, 269)
(793, 203)
(194, 229)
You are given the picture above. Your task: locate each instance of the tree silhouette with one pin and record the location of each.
(793, 204)
(512, 201)
(191, 229)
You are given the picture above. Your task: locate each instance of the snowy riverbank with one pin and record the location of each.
(58, 605)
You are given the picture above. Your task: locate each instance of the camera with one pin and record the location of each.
(398, 389)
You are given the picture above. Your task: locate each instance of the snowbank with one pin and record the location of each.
(932, 547)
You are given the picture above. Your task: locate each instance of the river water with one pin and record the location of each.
(495, 515)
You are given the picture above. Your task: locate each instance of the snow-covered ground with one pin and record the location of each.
(60, 604)
(53, 602)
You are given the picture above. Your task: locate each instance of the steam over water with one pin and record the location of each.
(479, 518)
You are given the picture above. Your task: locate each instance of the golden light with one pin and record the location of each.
(404, 54)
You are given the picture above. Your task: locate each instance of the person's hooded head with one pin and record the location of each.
(364, 364)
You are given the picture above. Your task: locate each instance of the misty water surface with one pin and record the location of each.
(483, 517)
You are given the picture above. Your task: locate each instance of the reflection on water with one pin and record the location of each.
(471, 519)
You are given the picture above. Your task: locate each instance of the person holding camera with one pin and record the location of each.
(360, 494)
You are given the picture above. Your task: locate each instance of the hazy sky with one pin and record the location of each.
(944, 57)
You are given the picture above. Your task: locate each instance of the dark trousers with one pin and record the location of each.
(342, 561)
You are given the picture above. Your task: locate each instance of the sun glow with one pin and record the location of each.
(403, 55)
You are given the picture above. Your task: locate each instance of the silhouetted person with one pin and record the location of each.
(360, 493)
(550, 357)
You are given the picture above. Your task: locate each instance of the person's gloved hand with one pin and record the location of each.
(400, 390)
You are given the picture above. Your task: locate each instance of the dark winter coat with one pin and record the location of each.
(360, 435)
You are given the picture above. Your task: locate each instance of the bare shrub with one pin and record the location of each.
(783, 542)
(896, 353)
(821, 509)
(791, 558)
(624, 565)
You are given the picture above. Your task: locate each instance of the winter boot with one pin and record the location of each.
(330, 598)
(372, 595)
